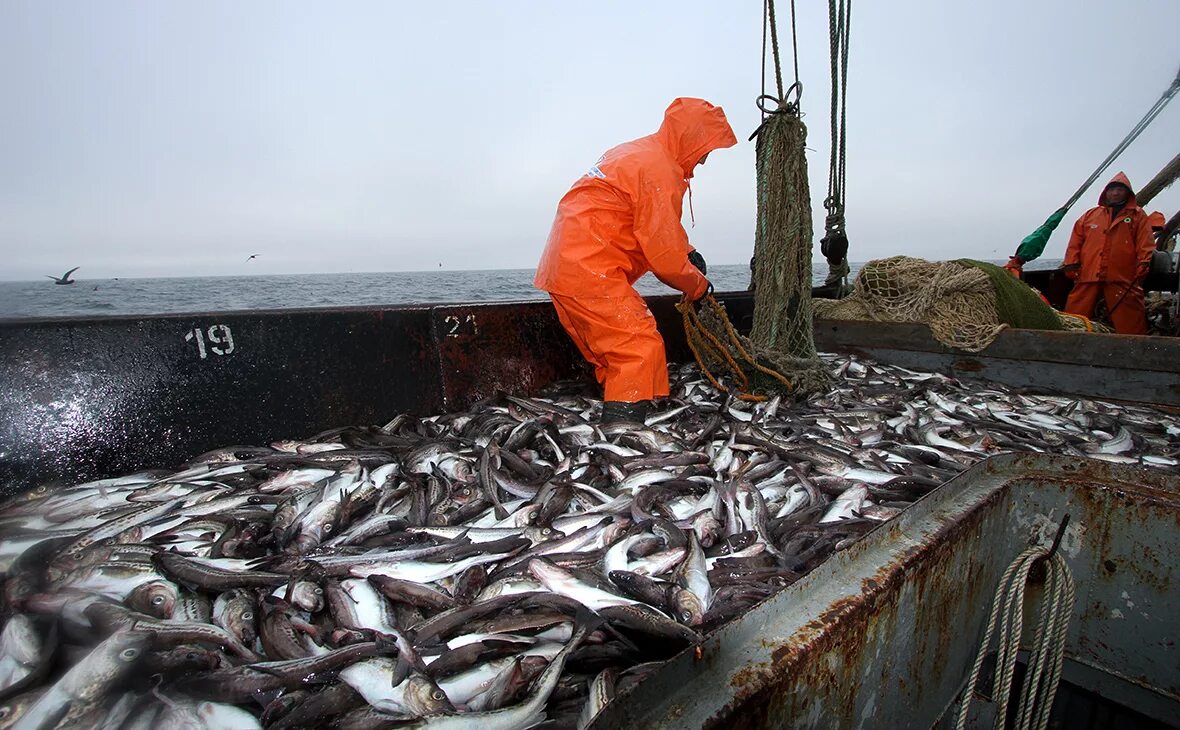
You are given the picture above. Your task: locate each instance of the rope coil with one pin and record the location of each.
(702, 340)
(1047, 655)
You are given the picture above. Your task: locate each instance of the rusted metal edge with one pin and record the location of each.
(741, 664)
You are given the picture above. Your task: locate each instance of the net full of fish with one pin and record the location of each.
(502, 566)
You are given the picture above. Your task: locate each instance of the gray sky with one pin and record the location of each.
(174, 139)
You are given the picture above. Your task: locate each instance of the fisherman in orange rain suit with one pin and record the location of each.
(619, 221)
(1108, 256)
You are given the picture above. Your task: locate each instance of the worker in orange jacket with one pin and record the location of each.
(1108, 256)
(619, 221)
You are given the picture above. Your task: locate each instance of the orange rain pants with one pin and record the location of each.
(1128, 315)
(1109, 253)
(618, 222)
(618, 336)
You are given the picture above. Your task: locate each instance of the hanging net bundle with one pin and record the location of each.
(779, 356)
(966, 303)
(783, 330)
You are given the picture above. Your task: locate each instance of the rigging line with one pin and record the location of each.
(794, 43)
(839, 16)
(764, 16)
(1147, 119)
(778, 71)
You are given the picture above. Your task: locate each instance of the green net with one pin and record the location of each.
(1017, 304)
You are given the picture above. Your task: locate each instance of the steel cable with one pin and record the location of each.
(1147, 119)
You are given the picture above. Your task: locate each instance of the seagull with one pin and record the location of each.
(65, 278)
(252, 256)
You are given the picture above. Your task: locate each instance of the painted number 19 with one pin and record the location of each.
(220, 340)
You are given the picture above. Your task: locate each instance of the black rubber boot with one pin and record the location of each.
(617, 411)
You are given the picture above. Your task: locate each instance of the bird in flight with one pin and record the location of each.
(64, 278)
(252, 256)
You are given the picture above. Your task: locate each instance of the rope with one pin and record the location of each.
(1043, 672)
(778, 71)
(1084, 320)
(1152, 113)
(781, 101)
(834, 244)
(700, 338)
(783, 333)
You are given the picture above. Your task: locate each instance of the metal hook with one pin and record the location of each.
(1056, 539)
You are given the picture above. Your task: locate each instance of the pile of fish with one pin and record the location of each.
(508, 565)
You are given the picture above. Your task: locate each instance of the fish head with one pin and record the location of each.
(116, 656)
(707, 528)
(155, 598)
(308, 596)
(538, 535)
(689, 608)
(424, 698)
(243, 620)
(464, 492)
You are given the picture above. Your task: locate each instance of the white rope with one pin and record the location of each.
(1047, 655)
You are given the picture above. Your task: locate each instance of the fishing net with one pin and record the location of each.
(779, 356)
(966, 303)
(783, 336)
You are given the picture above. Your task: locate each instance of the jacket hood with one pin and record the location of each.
(1156, 220)
(1121, 179)
(692, 128)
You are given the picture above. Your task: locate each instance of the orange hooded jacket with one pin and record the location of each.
(622, 218)
(1108, 246)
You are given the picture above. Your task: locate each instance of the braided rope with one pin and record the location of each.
(700, 337)
(1048, 653)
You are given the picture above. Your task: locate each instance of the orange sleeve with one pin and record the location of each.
(1073, 252)
(662, 237)
(1144, 241)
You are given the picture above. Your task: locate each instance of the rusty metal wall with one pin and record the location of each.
(883, 634)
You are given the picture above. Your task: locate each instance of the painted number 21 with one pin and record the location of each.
(220, 340)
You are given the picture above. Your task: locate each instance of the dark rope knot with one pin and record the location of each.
(834, 244)
(771, 105)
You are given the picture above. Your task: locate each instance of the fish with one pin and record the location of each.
(88, 680)
(453, 568)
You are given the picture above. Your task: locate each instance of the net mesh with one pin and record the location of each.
(966, 303)
(783, 335)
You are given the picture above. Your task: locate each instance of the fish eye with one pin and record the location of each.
(191, 655)
(439, 695)
(5, 712)
(129, 654)
(319, 591)
(39, 490)
(254, 499)
(247, 616)
(686, 615)
(327, 527)
(158, 600)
